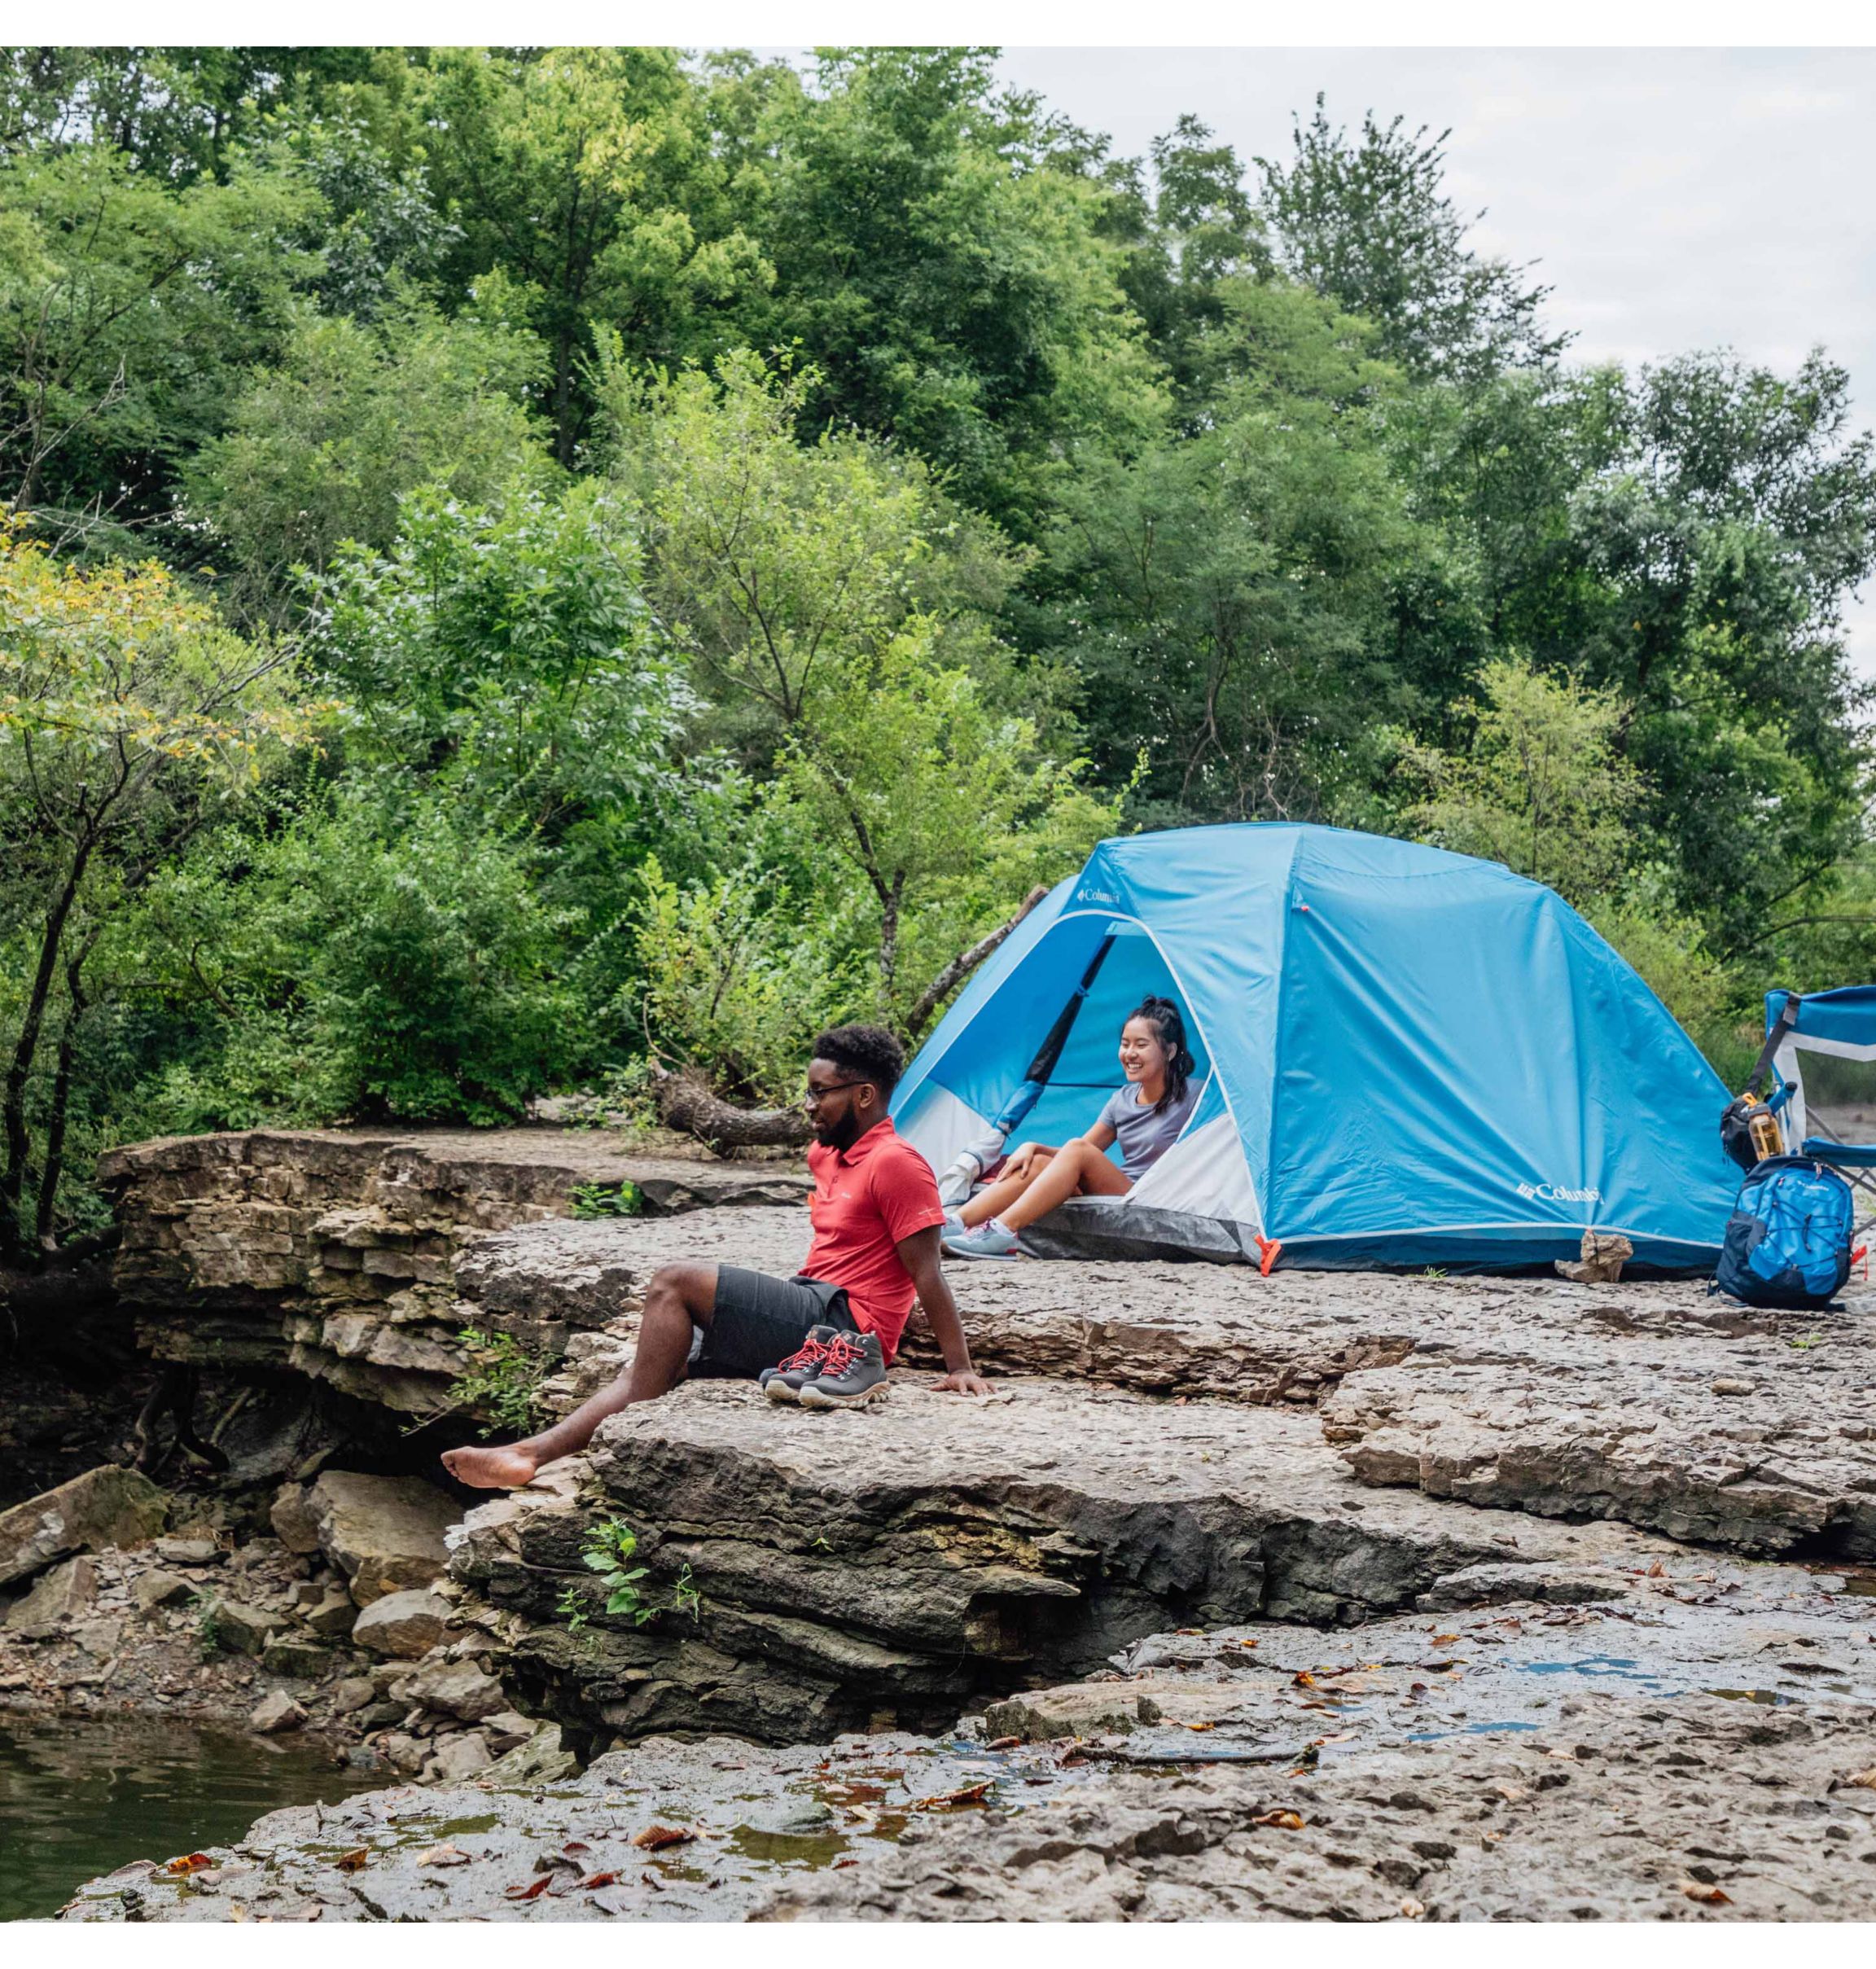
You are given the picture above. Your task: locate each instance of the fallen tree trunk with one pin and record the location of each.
(686, 1104)
(960, 968)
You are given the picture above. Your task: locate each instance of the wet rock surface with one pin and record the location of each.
(665, 1831)
(1528, 1760)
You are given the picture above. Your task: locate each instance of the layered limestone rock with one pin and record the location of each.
(332, 1252)
(1754, 1431)
(809, 1572)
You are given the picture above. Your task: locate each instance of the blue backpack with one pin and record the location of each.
(1788, 1238)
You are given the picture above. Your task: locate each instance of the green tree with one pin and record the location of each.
(1543, 788)
(806, 584)
(1368, 223)
(322, 447)
(1226, 597)
(130, 718)
(940, 262)
(1191, 230)
(588, 176)
(129, 311)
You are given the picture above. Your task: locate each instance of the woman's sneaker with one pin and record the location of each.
(785, 1383)
(854, 1372)
(989, 1240)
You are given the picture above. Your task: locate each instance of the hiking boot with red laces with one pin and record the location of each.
(854, 1372)
(784, 1383)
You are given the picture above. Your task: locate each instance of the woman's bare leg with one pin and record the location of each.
(679, 1297)
(992, 1202)
(1080, 1170)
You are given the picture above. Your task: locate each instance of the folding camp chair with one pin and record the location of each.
(1820, 1050)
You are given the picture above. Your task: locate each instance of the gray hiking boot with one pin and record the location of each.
(854, 1372)
(784, 1383)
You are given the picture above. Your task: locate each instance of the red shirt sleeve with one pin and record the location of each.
(906, 1192)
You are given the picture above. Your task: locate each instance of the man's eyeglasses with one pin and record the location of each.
(814, 1096)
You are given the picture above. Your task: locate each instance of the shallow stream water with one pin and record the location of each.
(82, 1796)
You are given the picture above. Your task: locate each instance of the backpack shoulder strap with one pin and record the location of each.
(1787, 1018)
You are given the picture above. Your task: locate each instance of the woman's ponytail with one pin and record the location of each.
(1164, 1018)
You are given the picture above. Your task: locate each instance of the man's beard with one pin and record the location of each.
(841, 1134)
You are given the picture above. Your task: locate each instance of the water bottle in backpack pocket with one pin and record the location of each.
(1788, 1239)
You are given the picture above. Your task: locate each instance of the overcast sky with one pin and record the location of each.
(1675, 199)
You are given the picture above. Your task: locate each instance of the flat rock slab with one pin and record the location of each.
(928, 1548)
(1751, 1431)
(330, 1253)
(1155, 1326)
(526, 1165)
(1769, 1637)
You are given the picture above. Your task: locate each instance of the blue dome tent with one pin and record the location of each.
(1409, 1058)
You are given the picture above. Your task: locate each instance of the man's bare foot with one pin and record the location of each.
(503, 1469)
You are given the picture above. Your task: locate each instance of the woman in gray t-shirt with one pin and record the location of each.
(1145, 1116)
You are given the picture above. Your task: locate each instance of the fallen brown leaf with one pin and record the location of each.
(532, 1891)
(838, 1864)
(949, 1801)
(1699, 1890)
(1656, 1570)
(598, 1880)
(1201, 1725)
(651, 1881)
(445, 1855)
(189, 1862)
(1412, 1908)
(1441, 1640)
(1303, 1679)
(1288, 1822)
(350, 1862)
(1003, 1742)
(654, 1838)
(1247, 1643)
(1867, 1778)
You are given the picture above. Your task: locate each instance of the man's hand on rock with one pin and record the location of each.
(963, 1381)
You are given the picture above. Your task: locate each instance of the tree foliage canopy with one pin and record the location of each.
(530, 562)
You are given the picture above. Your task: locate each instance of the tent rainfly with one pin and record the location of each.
(1409, 1058)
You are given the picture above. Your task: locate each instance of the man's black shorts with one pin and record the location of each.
(758, 1322)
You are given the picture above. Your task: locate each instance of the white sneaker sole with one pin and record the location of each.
(811, 1397)
(965, 1252)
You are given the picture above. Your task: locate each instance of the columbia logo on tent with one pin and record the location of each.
(1551, 1193)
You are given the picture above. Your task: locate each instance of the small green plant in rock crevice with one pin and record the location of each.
(609, 1549)
(209, 1638)
(597, 1200)
(502, 1383)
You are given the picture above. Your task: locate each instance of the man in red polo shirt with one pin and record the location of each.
(875, 1249)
